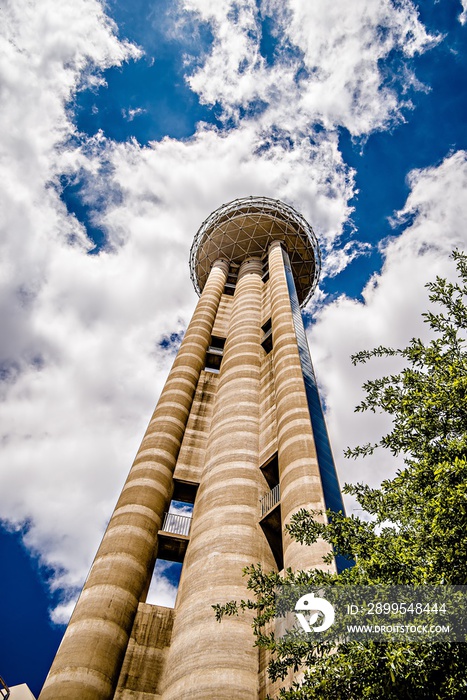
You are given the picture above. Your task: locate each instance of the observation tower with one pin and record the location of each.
(239, 433)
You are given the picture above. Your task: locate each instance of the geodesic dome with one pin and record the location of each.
(245, 228)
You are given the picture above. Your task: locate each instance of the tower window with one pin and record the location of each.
(230, 283)
(229, 289)
(217, 342)
(214, 354)
(265, 275)
(270, 511)
(266, 340)
(270, 471)
(172, 545)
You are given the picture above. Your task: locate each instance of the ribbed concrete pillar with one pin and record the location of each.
(208, 660)
(300, 483)
(88, 662)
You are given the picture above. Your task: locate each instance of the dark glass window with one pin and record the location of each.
(214, 354)
(229, 289)
(266, 340)
(270, 471)
(230, 283)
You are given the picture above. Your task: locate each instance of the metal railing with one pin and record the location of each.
(177, 524)
(215, 351)
(270, 500)
(4, 690)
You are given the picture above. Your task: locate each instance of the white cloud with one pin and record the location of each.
(436, 215)
(328, 70)
(342, 44)
(130, 114)
(62, 613)
(185, 509)
(162, 590)
(338, 258)
(214, 167)
(235, 72)
(463, 15)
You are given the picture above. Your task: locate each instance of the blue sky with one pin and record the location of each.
(123, 127)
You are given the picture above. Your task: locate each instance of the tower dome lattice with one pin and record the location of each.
(245, 228)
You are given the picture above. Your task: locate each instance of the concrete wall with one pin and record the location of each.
(20, 692)
(145, 658)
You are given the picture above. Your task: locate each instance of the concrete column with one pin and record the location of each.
(208, 660)
(300, 483)
(88, 661)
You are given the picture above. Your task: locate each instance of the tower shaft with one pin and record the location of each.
(226, 535)
(299, 475)
(89, 659)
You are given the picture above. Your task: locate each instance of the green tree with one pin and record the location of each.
(417, 530)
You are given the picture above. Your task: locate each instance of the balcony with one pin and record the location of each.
(270, 500)
(176, 524)
(4, 690)
(271, 523)
(174, 537)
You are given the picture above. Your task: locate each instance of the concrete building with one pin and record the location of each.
(15, 692)
(239, 432)
(20, 692)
